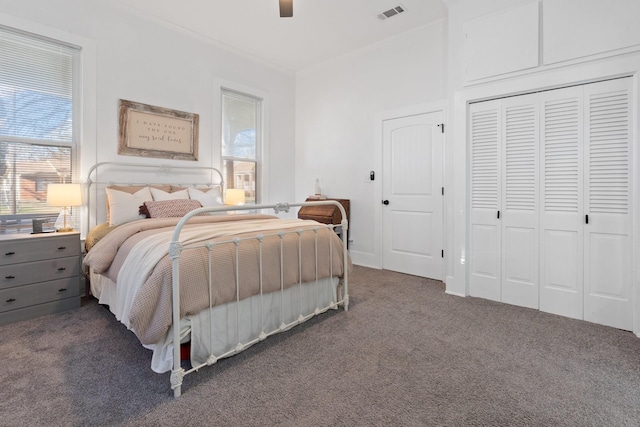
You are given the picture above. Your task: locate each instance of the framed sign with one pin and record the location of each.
(148, 131)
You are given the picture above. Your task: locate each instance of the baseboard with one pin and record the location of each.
(457, 294)
(364, 259)
(453, 288)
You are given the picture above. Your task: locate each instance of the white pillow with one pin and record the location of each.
(125, 207)
(211, 197)
(160, 195)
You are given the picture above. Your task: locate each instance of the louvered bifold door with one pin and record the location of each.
(608, 249)
(561, 202)
(519, 217)
(485, 182)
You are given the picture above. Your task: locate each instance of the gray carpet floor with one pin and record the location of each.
(404, 354)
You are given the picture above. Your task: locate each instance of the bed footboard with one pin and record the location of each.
(300, 310)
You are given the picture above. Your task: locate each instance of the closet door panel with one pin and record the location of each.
(608, 246)
(520, 273)
(485, 182)
(485, 261)
(561, 202)
(563, 276)
(520, 245)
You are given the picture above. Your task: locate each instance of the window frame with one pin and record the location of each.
(252, 96)
(21, 222)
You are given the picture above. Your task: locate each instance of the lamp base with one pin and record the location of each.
(64, 223)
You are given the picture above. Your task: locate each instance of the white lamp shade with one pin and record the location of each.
(63, 195)
(234, 197)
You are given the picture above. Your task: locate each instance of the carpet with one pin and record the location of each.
(405, 354)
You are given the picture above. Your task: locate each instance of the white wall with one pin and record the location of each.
(137, 58)
(619, 56)
(328, 110)
(337, 106)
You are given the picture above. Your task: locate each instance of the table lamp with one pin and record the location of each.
(64, 196)
(234, 197)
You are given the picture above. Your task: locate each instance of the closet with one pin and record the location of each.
(549, 208)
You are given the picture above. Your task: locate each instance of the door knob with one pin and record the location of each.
(385, 202)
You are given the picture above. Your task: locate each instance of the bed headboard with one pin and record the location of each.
(105, 174)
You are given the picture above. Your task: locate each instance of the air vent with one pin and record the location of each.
(391, 12)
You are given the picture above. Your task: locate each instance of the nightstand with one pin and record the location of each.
(326, 214)
(39, 274)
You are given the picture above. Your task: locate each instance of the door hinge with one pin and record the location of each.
(442, 253)
(443, 191)
(441, 127)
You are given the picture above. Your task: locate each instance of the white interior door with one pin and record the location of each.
(412, 215)
(485, 258)
(504, 248)
(608, 249)
(562, 240)
(559, 218)
(586, 252)
(520, 247)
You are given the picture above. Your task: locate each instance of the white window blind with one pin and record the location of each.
(37, 144)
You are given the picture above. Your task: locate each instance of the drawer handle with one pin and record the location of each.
(10, 253)
(62, 269)
(62, 248)
(11, 300)
(62, 290)
(9, 277)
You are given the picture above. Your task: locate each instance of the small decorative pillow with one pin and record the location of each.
(160, 195)
(97, 233)
(123, 207)
(169, 208)
(210, 197)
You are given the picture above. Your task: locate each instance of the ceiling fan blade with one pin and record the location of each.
(286, 8)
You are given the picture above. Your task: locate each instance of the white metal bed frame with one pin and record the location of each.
(176, 248)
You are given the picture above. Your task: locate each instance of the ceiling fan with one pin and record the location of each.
(286, 8)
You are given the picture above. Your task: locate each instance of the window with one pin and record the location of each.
(37, 144)
(241, 141)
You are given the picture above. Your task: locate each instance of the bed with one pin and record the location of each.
(175, 265)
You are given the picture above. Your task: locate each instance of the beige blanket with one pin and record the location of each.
(149, 313)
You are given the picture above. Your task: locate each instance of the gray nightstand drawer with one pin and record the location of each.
(32, 248)
(39, 293)
(39, 271)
